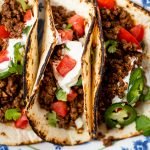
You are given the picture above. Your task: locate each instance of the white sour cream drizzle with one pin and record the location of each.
(126, 80)
(11, 42)
(75, 51)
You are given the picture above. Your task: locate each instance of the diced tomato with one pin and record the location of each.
(3, 32)
(109, 4)
(3, 56)
(77, 23)
(22, 122)
(66, 65)
(60, 108)
(66, 34)
(79, 30)
(125, 35)
(28, 15)
(72, 95)
(138, 32)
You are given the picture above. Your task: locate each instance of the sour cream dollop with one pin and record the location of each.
(74, 50)
(11, 42)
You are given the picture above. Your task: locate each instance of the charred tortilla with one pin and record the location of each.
(57, 48)
(18, 67)
(122, 62)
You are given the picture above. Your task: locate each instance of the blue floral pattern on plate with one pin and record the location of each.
(135, 143)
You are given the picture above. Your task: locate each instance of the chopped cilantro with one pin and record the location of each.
(69, 26)
(61, 95)
(12, 114)
(52, 119)
(24, 5)
(26, 30)
(111, 46)
(143, 124)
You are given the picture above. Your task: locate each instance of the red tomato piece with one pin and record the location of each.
(79, 30)
(138, 32)
(66, 34)
(22, 122)
(109, 4)
(60, 108)
(72, 95)
(66, 65)
(28, 15)
(3, 32)
(125, 35)
(77, 23)
(3, 56)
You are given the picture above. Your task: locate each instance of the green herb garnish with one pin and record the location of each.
(111, 46)
(79, 83)
(146, 95)
(26, 30)
(12, 114)
(52, 119)
(67, 48)
(69, 26)
(61, 95)
(24, 5)
(143, 124)
(18, 55)
(136, 74)
(15, 66)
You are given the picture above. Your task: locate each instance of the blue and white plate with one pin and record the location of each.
(135, 143)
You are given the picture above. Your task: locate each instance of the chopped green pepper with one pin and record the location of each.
(15, 66)
(119, 114)
(135, 91)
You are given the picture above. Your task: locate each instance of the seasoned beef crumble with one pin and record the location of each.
(48, 86)
(48, 89)
(11, 88)
(117, 64)
(61, 15)
(12, 17)
(11, 94)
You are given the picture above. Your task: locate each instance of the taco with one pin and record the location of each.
(59, 109)
(18, 67)
(122, 107)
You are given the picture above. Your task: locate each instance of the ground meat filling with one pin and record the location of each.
(118, 64)
(3, 44)
(11, 94)
(12, 17)
(48, 86)
(61, 15)
(48, 89)
(11, 90)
